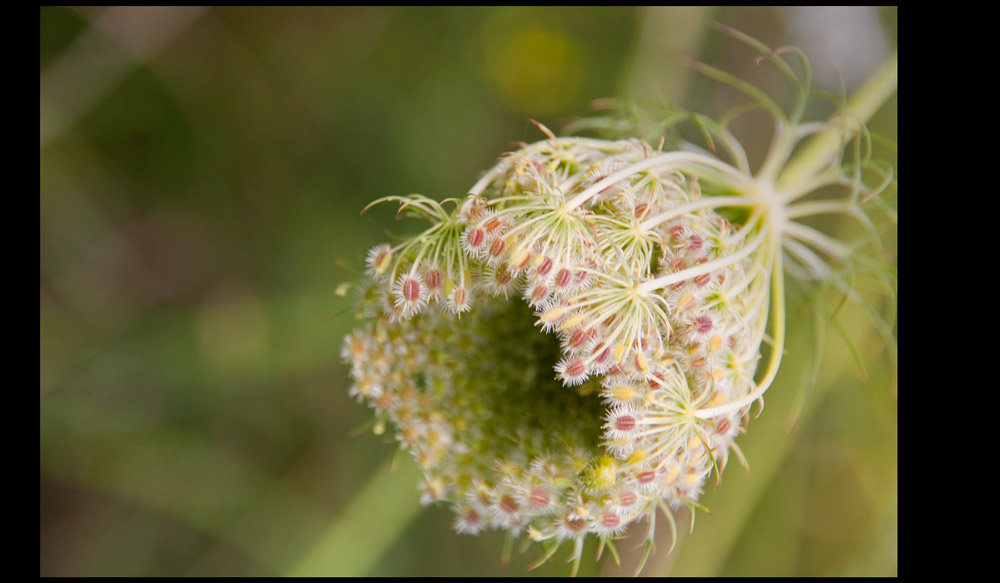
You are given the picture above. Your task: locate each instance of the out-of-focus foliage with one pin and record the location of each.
(202, 172)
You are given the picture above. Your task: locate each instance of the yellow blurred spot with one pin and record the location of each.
(536, 69)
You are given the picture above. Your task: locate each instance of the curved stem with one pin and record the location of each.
(778, 300)
(821, 241)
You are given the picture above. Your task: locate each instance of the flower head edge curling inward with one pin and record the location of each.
(575, 345)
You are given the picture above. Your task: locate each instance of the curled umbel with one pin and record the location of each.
(574, 346)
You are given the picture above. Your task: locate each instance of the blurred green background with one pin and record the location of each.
(201, 177)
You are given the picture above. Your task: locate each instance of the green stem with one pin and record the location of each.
(823, 146)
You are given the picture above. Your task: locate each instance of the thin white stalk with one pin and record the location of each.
(707, 267)
(780, 149)
(712, 202)
(824, 243)
(819, 207)
(815, 267)
(829, 177)
(662, 162)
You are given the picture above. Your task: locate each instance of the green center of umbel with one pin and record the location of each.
(499, 366)
(512, 362)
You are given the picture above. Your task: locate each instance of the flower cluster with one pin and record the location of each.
(573, 346)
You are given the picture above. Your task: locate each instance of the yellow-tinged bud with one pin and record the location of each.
(520, 258)
(535, 534)
(553, 315)
(623, 393)
(573, 321)
(601, 474)
(640, 362)
(684, 302)
(637, 457)
(382, 261)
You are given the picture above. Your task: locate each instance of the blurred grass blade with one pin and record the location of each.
(357, 539)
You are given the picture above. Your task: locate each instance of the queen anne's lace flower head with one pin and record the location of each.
(573, 347)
